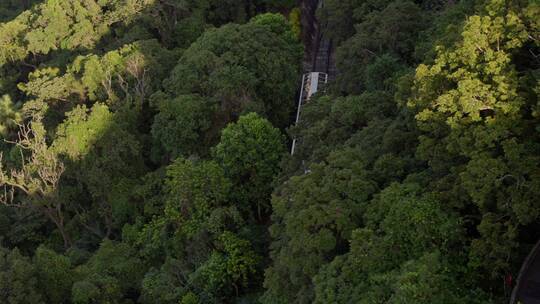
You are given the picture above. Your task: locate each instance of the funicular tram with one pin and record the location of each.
(311, 84)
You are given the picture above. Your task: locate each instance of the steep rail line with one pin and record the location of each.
(527, 289)
(319, 71)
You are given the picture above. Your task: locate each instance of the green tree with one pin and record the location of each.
(165, 285)
(472, 107)
(313, 217)
(250, 152)
(113, 272)
(233, 264)
(430, 280)
(181, 126)
(206, 256)
(54, 275)
(329, 122)
(401, 225)
(243, 67)
(58, 25)
(9, 116)
(128, 73)
(34, 183)
(338, 17)
(105, 157)
(194, 192)
(18, 280)
(393, 30)
(11, 8)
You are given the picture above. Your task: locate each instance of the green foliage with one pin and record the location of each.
(112, 272)
(105, 157)
(190, 298)
(208, 260)
(18, 281)
(313, 218)
(295, 20)
(54, 274)
(249, 153)
(471, 107)
(58, 25)
(339, 18)
(150, 144)
(429, 280)
(380, 248)
(181, 125)
(11, 8)
(195, 191)
(82, 129)
(232, 265)
(393, 31)
(165, 285)
(9, 116)
(22, 229)
(329, 123)
(126, 73)
(279, 4)
(431, 227)
(244, 67)
(370, 272)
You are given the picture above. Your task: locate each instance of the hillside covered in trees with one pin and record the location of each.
(144, 152)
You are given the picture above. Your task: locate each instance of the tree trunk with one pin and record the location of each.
(55, 215)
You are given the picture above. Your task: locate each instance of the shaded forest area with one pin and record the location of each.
(144, 153)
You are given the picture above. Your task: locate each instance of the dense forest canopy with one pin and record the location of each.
(144, 151)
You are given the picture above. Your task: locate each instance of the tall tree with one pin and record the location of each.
(250, 152)
(34, 184)
(477, 117)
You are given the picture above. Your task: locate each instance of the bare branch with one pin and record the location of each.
(37, 177)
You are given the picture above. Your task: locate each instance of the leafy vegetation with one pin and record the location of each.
(144, 152)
